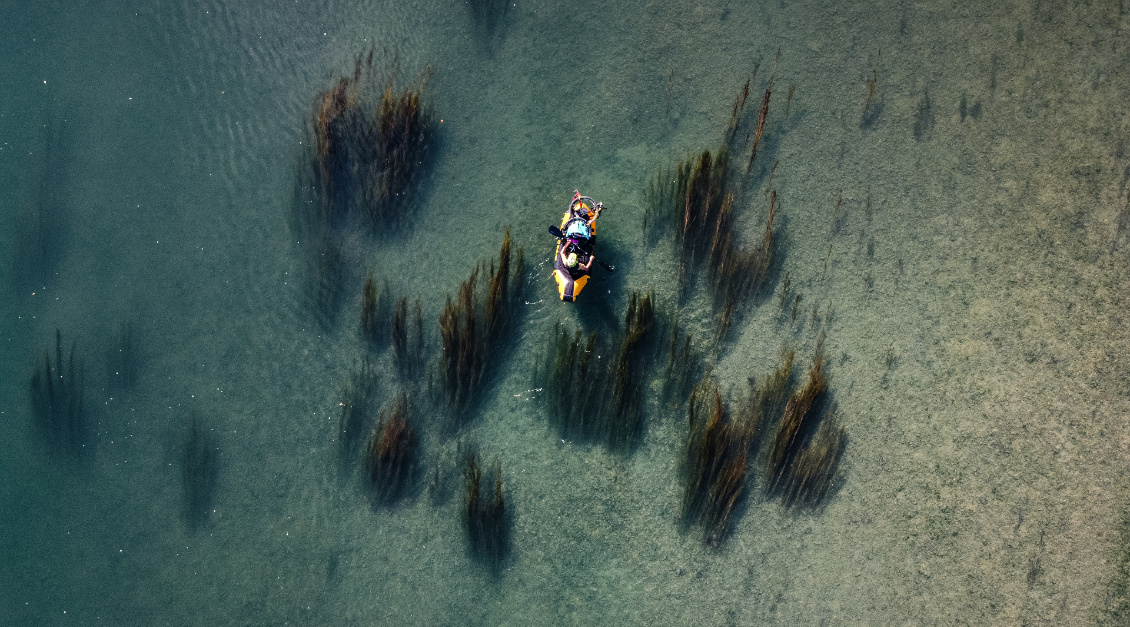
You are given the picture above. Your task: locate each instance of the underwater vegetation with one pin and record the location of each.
(407, 331)
(807, 445)
(715, 466)
(698, 207)
(810, 478)
(199, 471)
(445, 471)
(574, 384)
(57, 399)
(593, 397)
(390, 458)
(475, 327)
(695, 203)
(964, 109)
(692, 202)
(358, 400)
(659, 197)
(923, 117)
(767, 399)
(684, 362)
(484, 513)
(720, 448)
(401, 326)
(625, 424)
(737, 274)
(122, 359)
(372, 143)
(488, 16)
(738, 111)
(762, 114)
(43, 220)
(872, 105)
(745, 132)
(374, 312)
(1122, 224)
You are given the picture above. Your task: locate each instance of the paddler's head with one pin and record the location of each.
(571, 260)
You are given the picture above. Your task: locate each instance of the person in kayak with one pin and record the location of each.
(575, 246)
(571, 261)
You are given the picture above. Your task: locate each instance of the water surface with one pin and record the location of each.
(970, 284)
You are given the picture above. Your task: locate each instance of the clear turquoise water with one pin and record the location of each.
(983, 480)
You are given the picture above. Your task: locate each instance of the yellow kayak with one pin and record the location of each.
(573, 256)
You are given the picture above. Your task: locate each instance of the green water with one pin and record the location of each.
(970, 284)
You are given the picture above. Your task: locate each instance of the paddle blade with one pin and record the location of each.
(556, 232)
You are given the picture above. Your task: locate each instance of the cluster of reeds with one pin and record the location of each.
(762, 114)
(625, 411)
(574, 383)
(704, 207)
(661, 202)
(717, 457)
(745, 130)
(721, 446)
(736, 274)
(484, 513)
(445, 470)
(737, 114)
(407, 332)
(371, 145)
(399, 325)
(593, 396)
(122, 359)
(374, 312)
(390, 459)
(697, 200)
(811, 476)
(807, 446)
(358, 400)
(768, 398)
(475, 327)
(57, 398)
(684, 363)
(403, 131)
(872, 105)
(199, 472)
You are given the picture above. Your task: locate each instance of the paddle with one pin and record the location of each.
(556, 232)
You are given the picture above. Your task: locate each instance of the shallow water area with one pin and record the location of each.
(952, 220)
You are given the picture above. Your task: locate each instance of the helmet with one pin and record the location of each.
(571, 260)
